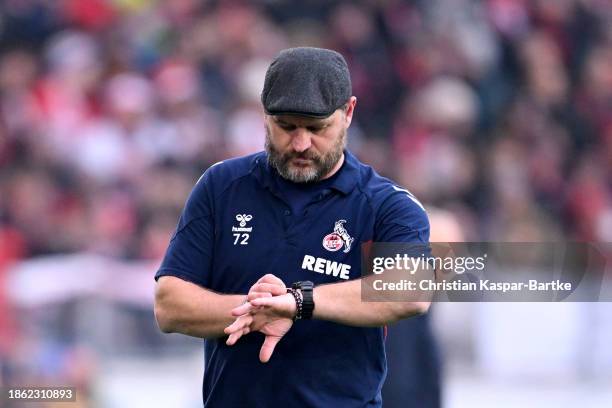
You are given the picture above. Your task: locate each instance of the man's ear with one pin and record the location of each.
(350, 109)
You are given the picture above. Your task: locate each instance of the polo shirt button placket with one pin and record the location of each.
(288, 226)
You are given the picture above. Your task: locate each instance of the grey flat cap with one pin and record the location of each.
(306, 81)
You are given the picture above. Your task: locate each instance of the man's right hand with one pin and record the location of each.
(253, 318)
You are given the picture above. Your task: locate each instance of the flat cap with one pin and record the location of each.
(306, 81)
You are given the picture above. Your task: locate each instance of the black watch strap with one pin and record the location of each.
(306, 288)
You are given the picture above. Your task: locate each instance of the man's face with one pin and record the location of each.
(304, 149)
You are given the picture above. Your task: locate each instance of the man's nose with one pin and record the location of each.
(301, 140)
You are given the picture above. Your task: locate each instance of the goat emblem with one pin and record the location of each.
(339, 238)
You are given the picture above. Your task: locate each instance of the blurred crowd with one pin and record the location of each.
(496, 112)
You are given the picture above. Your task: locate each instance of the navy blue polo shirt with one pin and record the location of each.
(238, 225)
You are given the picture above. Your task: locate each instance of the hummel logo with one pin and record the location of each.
(243, 219)
(242, 232)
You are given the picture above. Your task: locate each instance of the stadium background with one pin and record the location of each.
(496, 114)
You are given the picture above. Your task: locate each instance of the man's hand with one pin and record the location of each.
(267, 286)
(274, 319)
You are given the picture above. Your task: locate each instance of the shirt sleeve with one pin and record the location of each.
(190, 252)
(402, 218)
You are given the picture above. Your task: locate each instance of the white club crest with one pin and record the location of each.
(339, 238)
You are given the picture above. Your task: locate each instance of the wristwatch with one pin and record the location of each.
(305, 287)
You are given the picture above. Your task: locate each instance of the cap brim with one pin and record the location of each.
(305, 114)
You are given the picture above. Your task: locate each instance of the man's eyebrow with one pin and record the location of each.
(321, 123)
(280, 121)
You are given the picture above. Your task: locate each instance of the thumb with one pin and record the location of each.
(267, 348)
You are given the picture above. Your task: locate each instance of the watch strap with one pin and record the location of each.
(307, 304)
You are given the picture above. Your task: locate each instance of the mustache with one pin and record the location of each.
(308, 155)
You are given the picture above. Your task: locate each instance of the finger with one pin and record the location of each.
(272, 288)
(242, 309)
(267, 348)
(255, 295)
(280, 306)
(233, 328)
(234, 337)
(269, 278)
(239, 324)
(263, 301)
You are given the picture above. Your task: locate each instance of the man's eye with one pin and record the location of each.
(314, 129)
(288, 128)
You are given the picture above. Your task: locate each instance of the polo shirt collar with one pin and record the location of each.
(345, 181)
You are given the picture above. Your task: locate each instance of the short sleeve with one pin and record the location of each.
(402, 218)
(189, 254)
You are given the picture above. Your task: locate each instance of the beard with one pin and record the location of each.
(321, 164)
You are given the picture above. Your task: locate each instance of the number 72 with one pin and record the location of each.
(243, 238)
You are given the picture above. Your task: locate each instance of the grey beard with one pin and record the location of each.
(322, 164)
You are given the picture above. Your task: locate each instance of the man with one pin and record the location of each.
(294, 214)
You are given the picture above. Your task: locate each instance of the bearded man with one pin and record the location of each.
(266, 259)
